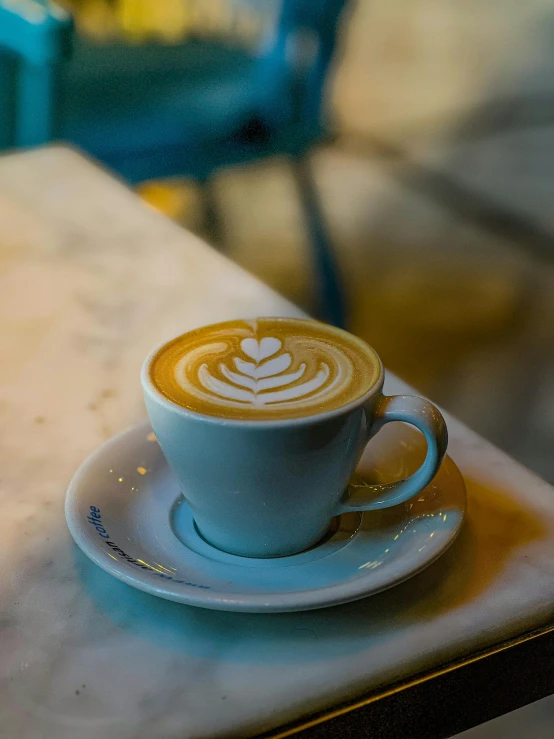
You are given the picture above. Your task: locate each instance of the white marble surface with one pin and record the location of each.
(89, 281)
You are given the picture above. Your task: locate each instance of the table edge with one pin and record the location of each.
(318, 718)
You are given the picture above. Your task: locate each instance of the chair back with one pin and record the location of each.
(34, 37)
(293, 39)
(305, 42)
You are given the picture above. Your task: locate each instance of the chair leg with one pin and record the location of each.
(212, 217)
(330, 295)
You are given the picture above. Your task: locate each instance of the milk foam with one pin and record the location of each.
(264, 368)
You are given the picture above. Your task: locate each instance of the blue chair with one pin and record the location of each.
(154, 110)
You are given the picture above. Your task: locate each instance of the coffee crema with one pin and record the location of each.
(264, 369)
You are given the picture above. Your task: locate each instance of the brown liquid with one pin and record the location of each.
(263, 369)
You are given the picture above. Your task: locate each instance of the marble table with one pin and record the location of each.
(90, 279)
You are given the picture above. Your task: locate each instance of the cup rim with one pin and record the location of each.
(263, 423)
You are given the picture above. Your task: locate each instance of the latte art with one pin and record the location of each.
(267, 368)
(260, 378)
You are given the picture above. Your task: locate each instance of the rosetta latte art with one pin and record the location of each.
(246, 369)
(260, 376)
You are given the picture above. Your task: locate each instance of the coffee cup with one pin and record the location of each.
(263, 423)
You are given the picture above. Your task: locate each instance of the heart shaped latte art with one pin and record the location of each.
(260, 350)
(256, 382)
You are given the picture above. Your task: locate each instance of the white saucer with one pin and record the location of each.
(145, 534)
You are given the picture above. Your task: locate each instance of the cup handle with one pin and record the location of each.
(424, 416)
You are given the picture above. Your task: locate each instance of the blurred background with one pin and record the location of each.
(386, 164)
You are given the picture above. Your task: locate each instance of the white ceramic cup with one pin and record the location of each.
(264, 488)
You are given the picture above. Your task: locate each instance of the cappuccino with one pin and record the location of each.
(264, 369)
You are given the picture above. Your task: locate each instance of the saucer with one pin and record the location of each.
(126, 512)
